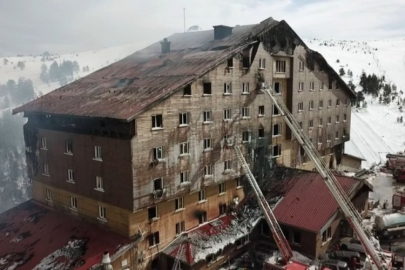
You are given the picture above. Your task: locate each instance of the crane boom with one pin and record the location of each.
(278, 234)
(353, 217)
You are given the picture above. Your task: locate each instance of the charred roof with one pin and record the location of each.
(134, 84)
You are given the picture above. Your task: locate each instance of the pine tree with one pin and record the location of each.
(342, 72)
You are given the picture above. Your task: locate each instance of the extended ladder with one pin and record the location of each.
(370, 244)
(177, 264)
(278, 235)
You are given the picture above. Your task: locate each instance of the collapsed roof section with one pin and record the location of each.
(132, 85)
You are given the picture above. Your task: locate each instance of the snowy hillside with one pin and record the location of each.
(374, 130)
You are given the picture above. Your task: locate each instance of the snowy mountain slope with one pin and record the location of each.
(374, 130)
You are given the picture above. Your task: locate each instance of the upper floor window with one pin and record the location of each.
(311, 124)
(180, 227)
(262, 63)
(102, 212)
(311, 105)
(245, 136)
(275, 110)
(245, 112)
(202, 217)
(68, 147)
(329, 103)
(261, 110)
(261, 133)
(97, 153)
(158, 153)
(327, 235)
(153, 212)
(73, 203)
(230, 62)
(322, 86)
(330, 85)
(99, 183)
(201, 195)
(158, 184)
(70, 175)
(280, 66)
(48, 194)
(337, 135)
(300, 106)
(320, 104)
(227, 114)
(43, 143)
(207, 117)
(45, 169)
(185, 177)
(329, 120)
(207, 144)
(311, 86)
(337, 118)
(277, 129)
(179, 203)
(344, 132)
(344, 117)
(337, 102)
(221, 188)
(154, 239)
(296, 238)
(301, 66)
(183, 119)
(207, 88)
(277, 87)
(276, 150)
(245, 88)
(184, 148)
(301, 86)
(227, 88)
(187, 90)
(208, 170)
(320, 122)
(227, 165)
(157, 121)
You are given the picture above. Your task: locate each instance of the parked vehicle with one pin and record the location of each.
(348, 243)
(395, 161)
(398, 200)
(344, 255)
(334, 265)
(399, 174)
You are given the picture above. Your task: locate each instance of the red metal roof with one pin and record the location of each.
(308, 204)
(32, 237)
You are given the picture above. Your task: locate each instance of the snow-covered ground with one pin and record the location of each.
(374, 130)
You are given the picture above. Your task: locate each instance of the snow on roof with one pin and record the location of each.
(34, 237)
(197, 244)
(352, 150)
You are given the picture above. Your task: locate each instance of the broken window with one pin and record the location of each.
(43, 143)
(202, 217)
(245, 136)
(179, 203)
(154, 239)
(45, 169)
(70, 175)
(222, 208)
(311, 124)
(68, 147)
(207, 144)
(276, 150)
(208, 170)
(311, 86)
(221, 188)
(201, 195)
(311, 105)
(280, 66)
(245, 112)
(275, 110)
(157, 121)
(48, 194)
(102, 212)
(262, 63)
(99, 183)
(277, 129)
(327, 235)
(320, 104)
(300, 106)
(97, 152)
(227, 165)
(207, 88)
(180, 227)
(261, 110)
(245, 88)
(152, 212)
(207, 117)
(157, 184)
(227, 88)
(301, 66)
(183, 119)
(73, 202)
(227, 114)
(296, 239)
(301, 86)
(184, 176)
(184, 148)
(277, 87)
(158, 153)
(230, 62)
(261, 133)
(187, 90)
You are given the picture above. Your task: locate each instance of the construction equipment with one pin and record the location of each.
(365, 236)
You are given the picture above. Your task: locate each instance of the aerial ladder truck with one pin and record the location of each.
(371, 245)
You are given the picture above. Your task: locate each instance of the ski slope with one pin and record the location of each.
(374, 130)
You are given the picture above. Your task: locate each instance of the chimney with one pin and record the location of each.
(165, 45)
(222, 31)
(106, 261)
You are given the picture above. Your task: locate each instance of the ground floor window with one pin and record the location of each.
(327, 235)
(296, 238)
